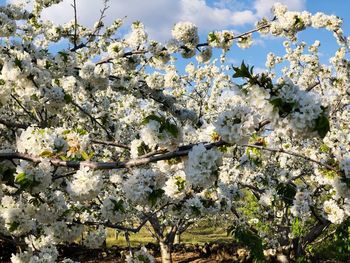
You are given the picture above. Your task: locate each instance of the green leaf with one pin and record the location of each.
(85, 156)
(322, 125)
(144, 259)
(34, 97)
(180, 183)
(212, 37)
(48, 64)
(46, 154)
(68, 98)
(324, 148)
(66, 132)
(284, 108)
(64, 158)
(254, 155)
(143, 149)
(299, 23)
(171, 128)
(195, 210)
(13, 226)
(20, 178)
(64, 56)
(152, 117)
(81, 131)
(243, 71)
(164, 124)
(18, 63)
(297, 228)
(118, 205)
(173, 161)
(155, 195)
(287, 192)
(277, 102)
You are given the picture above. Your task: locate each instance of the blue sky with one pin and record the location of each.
(160, 15)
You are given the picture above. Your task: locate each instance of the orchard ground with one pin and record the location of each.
(206, 242)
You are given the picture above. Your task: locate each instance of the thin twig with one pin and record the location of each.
(24, 109)
(313, 86)
(75, 24)
(99, 25)
(241, 35)
(110, 143)
(152, 153)
(93, 119)
(130, 53)
(10, 124)
(280, 150)
(115, 226)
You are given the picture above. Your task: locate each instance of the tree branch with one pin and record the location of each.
(114, 226)
(75, 40)
(292, 154)
(10, 124)
(182, 151)
(241, 35)
(105, 165)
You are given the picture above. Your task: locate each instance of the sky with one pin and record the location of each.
(159, 16)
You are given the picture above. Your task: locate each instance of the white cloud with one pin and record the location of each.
(263, 7)
(243, 17)
(159, 16)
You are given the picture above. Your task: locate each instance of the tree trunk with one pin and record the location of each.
(297, 248)
(165, 251)
(177, 239)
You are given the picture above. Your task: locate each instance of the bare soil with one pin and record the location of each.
(214, 252)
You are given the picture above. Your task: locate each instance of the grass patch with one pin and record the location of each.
(203, 232)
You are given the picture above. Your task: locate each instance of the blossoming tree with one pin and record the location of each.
(108, 133)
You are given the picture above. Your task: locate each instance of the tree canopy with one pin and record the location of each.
(108, 132)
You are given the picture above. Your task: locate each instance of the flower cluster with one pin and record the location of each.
(221, 39)
(301, 110)
(158, 127)
(144, 186)
(176, 186)
(333, 212)
(8, 26)
(85, 185)
(202, 166)
(113, 209)
(138, 35)
(160, 132)
(36, 178)
(95, 238)
(50, 142)
(301, 205)
(186, 33)
(14, 217)
(236, 125)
